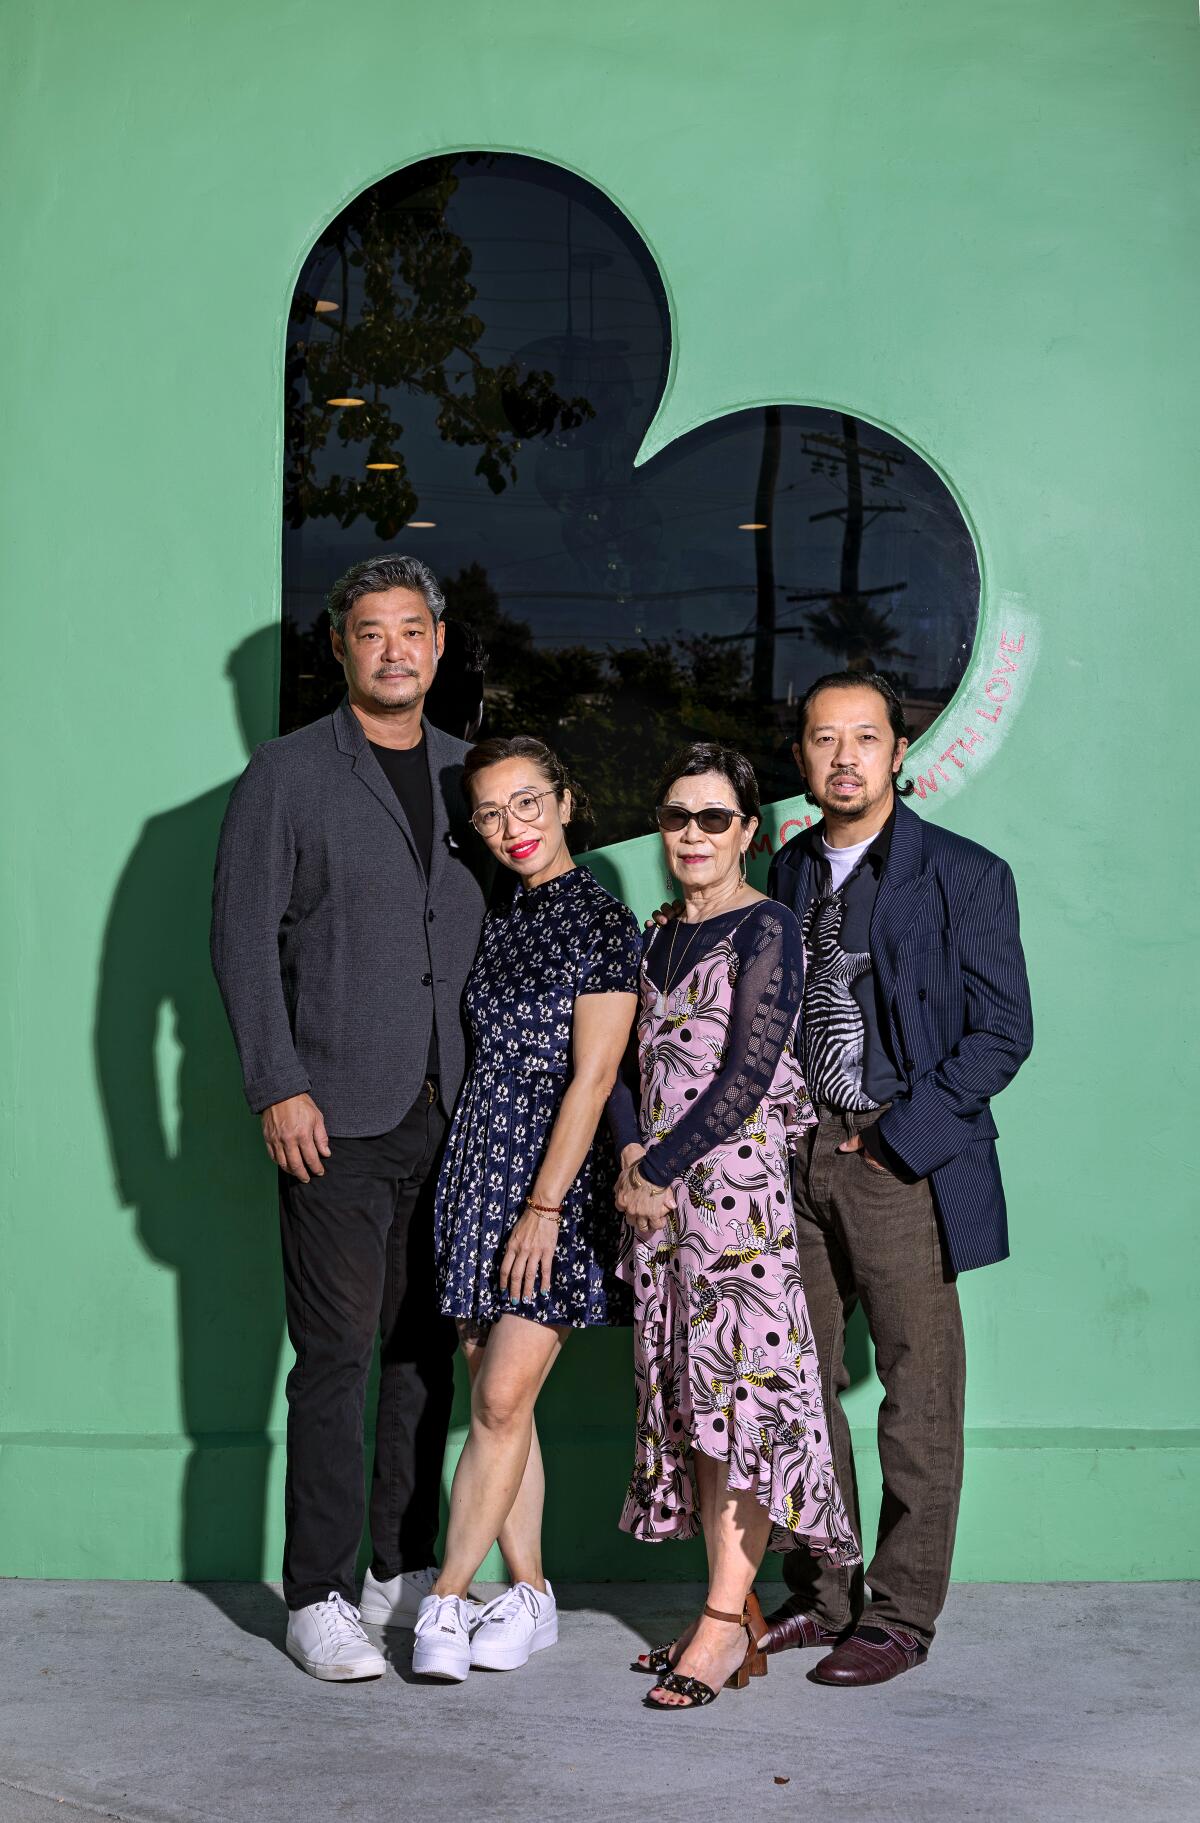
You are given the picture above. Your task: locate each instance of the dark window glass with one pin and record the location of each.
(506, 334)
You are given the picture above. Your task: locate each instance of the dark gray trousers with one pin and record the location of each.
(865, 1237)
(358, 1261)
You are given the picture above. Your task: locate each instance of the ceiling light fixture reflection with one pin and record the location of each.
(753, 525)
(323, 306)
(420, 525)
(345, 402)
(383, 466)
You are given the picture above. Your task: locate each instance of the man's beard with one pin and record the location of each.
(405, 700)
(850, 808)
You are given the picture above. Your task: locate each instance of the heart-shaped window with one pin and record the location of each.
(477, 348)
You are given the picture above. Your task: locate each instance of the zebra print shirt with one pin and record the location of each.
(845, 1059)
(834, 1047)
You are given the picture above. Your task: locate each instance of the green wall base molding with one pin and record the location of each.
(1088, 1505)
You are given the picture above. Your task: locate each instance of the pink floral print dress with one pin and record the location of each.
(724, 1354)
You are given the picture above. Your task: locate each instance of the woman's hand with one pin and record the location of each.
(530, 1251)
(644, 1206)
(631, 1188)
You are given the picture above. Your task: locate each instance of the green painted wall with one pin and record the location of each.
(975, 225)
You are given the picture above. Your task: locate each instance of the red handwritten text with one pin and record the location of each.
(996, 692)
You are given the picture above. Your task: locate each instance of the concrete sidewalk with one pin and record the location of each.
(1075, 1703)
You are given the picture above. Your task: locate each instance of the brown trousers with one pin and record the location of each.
(864, 1236)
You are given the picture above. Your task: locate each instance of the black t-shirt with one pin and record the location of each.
(407, 772)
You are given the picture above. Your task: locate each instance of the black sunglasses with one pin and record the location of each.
(714, 819)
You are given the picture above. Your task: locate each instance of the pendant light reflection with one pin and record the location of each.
(753, 525)
(345, 402)
(383, 467)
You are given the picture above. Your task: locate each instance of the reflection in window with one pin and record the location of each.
(476, 349)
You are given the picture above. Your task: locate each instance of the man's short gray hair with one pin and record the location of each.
(391, 571)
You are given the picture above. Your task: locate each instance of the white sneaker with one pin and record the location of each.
(521, 1621)
(397, 1602)
(326, 1639)
(442, 1638)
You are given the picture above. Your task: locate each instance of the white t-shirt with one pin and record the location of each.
(843, 861)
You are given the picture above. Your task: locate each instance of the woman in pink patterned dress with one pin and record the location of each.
(731, 1433)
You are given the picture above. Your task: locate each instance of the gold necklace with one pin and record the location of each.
(682, 956)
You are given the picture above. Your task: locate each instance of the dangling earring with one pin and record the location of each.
(745, 866)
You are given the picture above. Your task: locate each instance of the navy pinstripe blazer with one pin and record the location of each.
(953, 998)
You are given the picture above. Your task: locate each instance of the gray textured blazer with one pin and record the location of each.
(333, 953)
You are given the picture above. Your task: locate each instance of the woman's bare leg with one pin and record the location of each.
(518, 1356)
(736, 1530)
(520, 1537)
(710, 1485)
(705, 1502)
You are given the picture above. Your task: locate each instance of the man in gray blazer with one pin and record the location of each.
(347, 907)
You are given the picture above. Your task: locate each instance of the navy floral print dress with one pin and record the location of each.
(536, 955)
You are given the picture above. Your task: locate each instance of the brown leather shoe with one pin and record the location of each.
(792, 1625)
(870, 1655)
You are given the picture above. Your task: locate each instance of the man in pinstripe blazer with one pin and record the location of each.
(916, 1012)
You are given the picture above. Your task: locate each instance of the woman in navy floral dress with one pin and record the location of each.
(527, 1232)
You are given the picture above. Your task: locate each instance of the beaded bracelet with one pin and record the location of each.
(543, 1208)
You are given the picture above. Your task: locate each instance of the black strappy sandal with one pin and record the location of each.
(700, 1694)
(658, 1660)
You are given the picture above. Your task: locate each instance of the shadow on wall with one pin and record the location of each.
(190, 1164)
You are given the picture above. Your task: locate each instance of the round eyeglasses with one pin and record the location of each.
(525, 806)
(713, 820)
